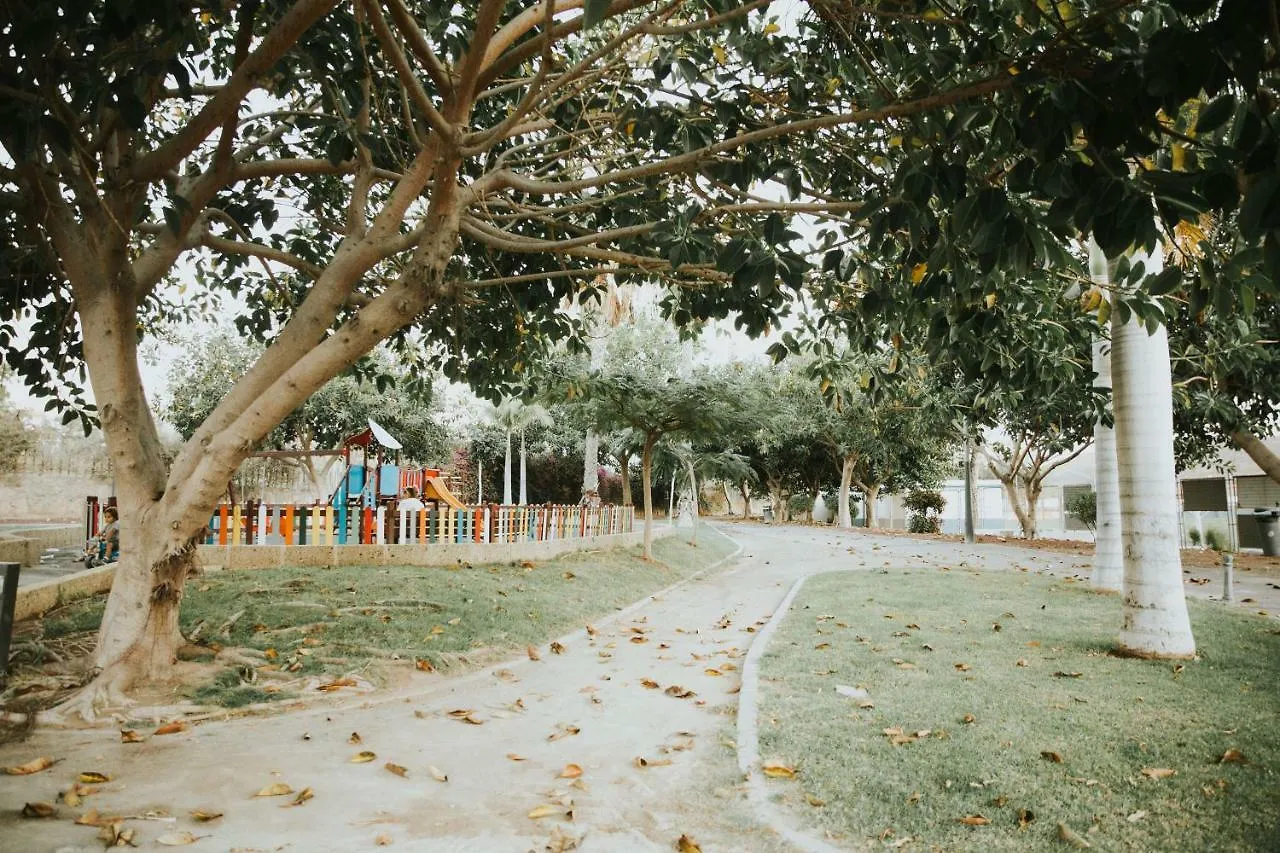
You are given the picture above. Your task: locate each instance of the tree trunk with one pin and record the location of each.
(591, 467)
(646, 487)
(1108, 551)
(970, 505)
(524, 458)
(671, 502)
(746, 499)
(626, 479)
(1155, 622)
(1032, 489)
(870, 494)
(506, 473)
(693, 502)
(728, 498)
(1258, 452)
(843, 517)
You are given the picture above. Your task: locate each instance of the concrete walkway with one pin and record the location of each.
(592, 706)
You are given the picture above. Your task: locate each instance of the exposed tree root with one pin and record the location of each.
(224, 630)
(102, 696)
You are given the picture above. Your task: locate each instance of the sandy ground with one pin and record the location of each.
(596, 686)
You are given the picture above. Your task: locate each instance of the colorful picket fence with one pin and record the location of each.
(288, 524)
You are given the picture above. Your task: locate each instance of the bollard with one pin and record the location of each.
(1228, 572)
(8, 601)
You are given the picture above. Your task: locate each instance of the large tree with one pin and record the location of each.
(459, 170)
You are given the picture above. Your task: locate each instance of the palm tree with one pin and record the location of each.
(1155, 621)
(515, 416)
(1108, 551)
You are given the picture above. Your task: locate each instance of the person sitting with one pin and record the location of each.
(105, 547)
(411, 501)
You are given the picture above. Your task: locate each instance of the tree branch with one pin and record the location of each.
(282, 36)
(692, 159)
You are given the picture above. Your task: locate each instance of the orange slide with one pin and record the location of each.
(434, 489)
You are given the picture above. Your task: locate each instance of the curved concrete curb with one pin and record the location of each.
(749, 739)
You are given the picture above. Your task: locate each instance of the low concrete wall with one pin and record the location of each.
(39, 598)
(440, 554)
(26, 546)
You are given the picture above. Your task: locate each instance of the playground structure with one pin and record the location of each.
(364, 509)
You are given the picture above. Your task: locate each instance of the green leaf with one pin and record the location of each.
(1165, 282)
(593, 12)
(1216, 113)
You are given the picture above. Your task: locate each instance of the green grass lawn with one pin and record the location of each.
(338, 620)
(1012, 709)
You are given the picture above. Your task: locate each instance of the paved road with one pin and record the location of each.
(529, 709)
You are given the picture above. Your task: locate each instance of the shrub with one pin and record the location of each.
(925, 506)
(799, 504)
(1214, 540)
(1084, 507)
(1193, 535)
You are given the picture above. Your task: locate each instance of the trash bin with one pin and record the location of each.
(1268, 521)
(768, 512)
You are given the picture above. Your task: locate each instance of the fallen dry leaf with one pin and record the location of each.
(337, 684)
(383, 840)
(685, 844)
(424, 665)
(563, 731)
(533, 653)
(639, 640)
(571, 771)
(591, 631)
(178, 838)
(1136, 816)
(90, 818)
(355, 738)
(202, 816)
(402, 772)
(38, 810)
(679, 692)
(1055, 757)
(963, 667)
(1070, 836)
(814, 801)
(93, 777)
(649, 683)
(303, 795)
(712, 672)
(130, 736)
(172, 728)
(363, 757)
(1061, 674)
(277, 789)
(35, 765)
(1158, 772)
(1233, 756)
(640, 761)
(777, 770)
(1025, 817)
(516, 757)
(969, 718)
(973, 820)
(557, 648)
(438, 774)
(548, 810)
